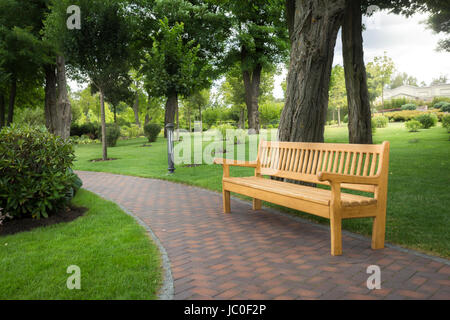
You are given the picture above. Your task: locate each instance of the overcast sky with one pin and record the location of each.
(406, 40)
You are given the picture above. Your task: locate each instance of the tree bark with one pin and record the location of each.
(147, 119)
(252, 81)
(171, 108)
(313, 37)
(359, 114)
(136, 110)
(242, 119)
(12, 100)
(2, 110)
(102, 108)
(50, 97)
(115, 114)
(63, 107)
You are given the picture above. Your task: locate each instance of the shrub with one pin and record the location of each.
(446, 122)
(380, 121)
(152, 131)
(413, 125)
(30, 116)
(112, 134)
(133, 131)
(445, 106)
(409, 106)
(437, 101)
(92, 130)
(35, 175)
(222, 128)
(427, 120)
(374, 125)
(345, 120)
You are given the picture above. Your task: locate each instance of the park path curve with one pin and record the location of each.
(262, 254)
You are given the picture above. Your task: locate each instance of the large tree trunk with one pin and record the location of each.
(136, 110)
(171, 108)
(313, 37)
(242, 119)
(63, 107)
(102, 108)
(252, 81)
(359, 115)
(2, 110)
(57, 108)
(50, 97)
(12, 100)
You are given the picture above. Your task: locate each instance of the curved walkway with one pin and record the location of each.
(263, 254)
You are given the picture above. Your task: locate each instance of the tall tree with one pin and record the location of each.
(100, 50)
(401, 79)
(187, 46)
(171, 67)
(233, 89)
(21, 50)
(359, 116)
(261, 40)
(313, 27)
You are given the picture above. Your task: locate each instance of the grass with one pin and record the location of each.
(418, 195)
(116, 257)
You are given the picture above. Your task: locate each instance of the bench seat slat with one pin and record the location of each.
(317, 195)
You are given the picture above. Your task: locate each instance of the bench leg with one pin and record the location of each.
(379, 230)
(336, 234)
(226, 201)
(257, 204)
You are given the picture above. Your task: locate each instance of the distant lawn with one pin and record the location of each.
(116, 257)
(419, 191)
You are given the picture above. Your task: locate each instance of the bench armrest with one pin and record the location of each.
(230, 162)
(344, 178)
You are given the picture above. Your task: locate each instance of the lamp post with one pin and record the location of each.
(169, 128)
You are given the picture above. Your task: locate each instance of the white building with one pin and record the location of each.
(418, 93)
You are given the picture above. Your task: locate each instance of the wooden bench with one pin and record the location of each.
(348, 166)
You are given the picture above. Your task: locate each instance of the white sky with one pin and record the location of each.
(406, 41)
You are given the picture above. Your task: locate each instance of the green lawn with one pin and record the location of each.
(419, 190)
(116, 257)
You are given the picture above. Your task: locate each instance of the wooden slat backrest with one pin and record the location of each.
(303, 161)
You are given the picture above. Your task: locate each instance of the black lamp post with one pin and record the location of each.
(169, 130)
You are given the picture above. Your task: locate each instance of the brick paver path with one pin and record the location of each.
(263, 255)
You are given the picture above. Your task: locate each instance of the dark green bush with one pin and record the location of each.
(92, 130)
(112, 134)
(409, 106)
(151, 131)
(445, 106)
(446, 122)
(427, 120)
(35, 175)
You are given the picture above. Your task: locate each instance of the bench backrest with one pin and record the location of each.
(303, 161)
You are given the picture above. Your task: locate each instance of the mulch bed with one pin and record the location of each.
(27, 224)
(101, 160)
